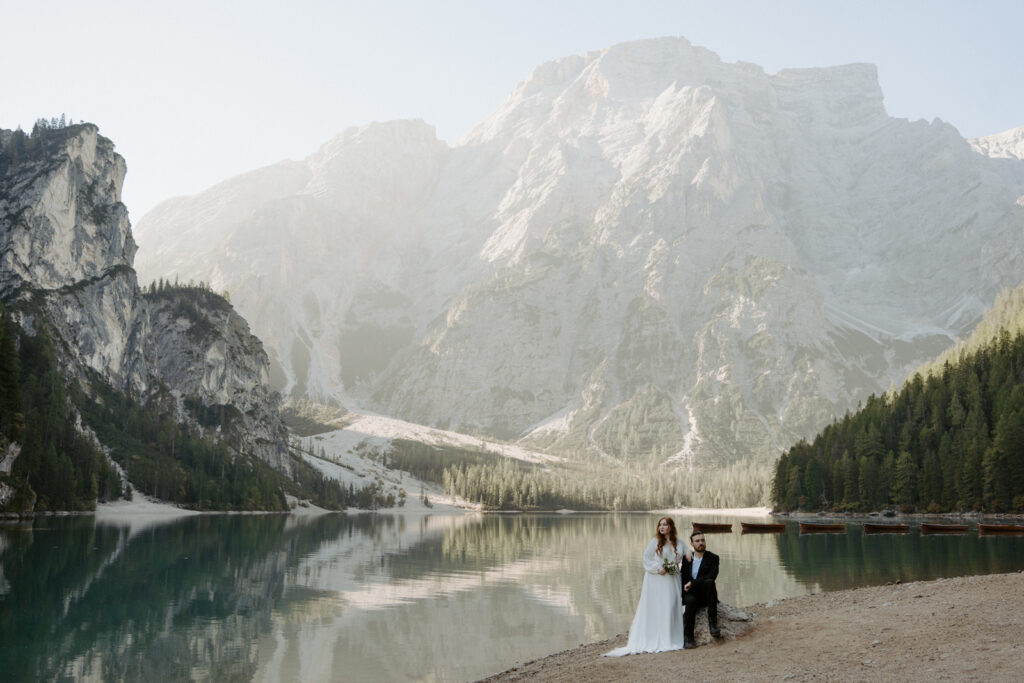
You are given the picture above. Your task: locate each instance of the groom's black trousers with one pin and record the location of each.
(701, 594)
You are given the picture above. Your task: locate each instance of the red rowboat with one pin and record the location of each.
(985, 529)
(806, 528)
(886, 528)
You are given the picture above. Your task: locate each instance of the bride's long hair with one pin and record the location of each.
(671, 538)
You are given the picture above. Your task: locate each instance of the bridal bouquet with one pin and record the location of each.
(669, 566)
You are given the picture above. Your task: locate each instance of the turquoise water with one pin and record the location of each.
(382, 597)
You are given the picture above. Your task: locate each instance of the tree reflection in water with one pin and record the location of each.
(836, 562)
(338, 597)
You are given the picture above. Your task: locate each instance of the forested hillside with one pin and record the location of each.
(951, 440)
(52, 463)
(55, 466)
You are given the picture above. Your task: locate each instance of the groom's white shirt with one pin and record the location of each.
(695, 566)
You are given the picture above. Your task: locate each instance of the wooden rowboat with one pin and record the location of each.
(886, 528)
(760, 528)
(985, 529)
(943, 528)
(806, 528)
(708, 528)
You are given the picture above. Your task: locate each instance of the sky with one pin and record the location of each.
(195, 92)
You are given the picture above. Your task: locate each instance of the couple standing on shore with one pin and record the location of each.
(675, 585)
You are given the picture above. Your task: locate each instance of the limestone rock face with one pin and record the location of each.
(194, 343)
(67, 250)
(643, 252)
(62, 218)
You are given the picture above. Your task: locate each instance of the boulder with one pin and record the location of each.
(732, 621)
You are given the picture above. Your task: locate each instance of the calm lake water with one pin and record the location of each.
(382, 597)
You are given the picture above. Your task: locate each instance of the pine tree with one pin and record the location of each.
(906, 480)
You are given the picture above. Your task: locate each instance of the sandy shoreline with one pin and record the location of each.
(960, 629)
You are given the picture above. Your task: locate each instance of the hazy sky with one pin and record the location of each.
(193, 92)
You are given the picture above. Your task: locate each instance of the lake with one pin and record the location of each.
(386, 597)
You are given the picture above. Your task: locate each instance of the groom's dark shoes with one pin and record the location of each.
(713, 621)
(689, 644)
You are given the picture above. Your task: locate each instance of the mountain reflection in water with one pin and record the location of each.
(381, 596)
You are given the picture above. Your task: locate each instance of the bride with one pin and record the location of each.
(658, 624)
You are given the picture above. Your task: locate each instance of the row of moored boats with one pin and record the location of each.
(895, 528)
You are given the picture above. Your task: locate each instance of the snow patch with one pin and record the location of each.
(391, 428)
(558, 424)
(686, 456)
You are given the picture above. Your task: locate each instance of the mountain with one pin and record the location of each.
(644, 254)
(66, 278)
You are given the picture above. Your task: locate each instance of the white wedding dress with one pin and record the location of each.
(658, 624)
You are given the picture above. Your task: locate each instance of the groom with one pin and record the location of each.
(698, 578)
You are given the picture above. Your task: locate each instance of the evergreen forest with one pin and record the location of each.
(57, 467)
(951, 440)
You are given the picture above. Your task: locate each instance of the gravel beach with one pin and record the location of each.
(960, 629)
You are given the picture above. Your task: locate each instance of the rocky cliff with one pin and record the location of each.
(66, 250)
(644, 252)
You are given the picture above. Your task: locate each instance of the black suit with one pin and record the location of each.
(703, 592)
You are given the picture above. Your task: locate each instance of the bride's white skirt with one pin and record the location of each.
(658, 624)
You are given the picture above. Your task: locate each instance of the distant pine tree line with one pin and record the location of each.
(513, 485)
(952, 440)
(17, 146)
(502, 483)
(428, 462)
(200, 292)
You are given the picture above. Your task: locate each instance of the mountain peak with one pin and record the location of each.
(577, 90)
(403, 155)
(377, 134)
(651, 60)
(1006, 145)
